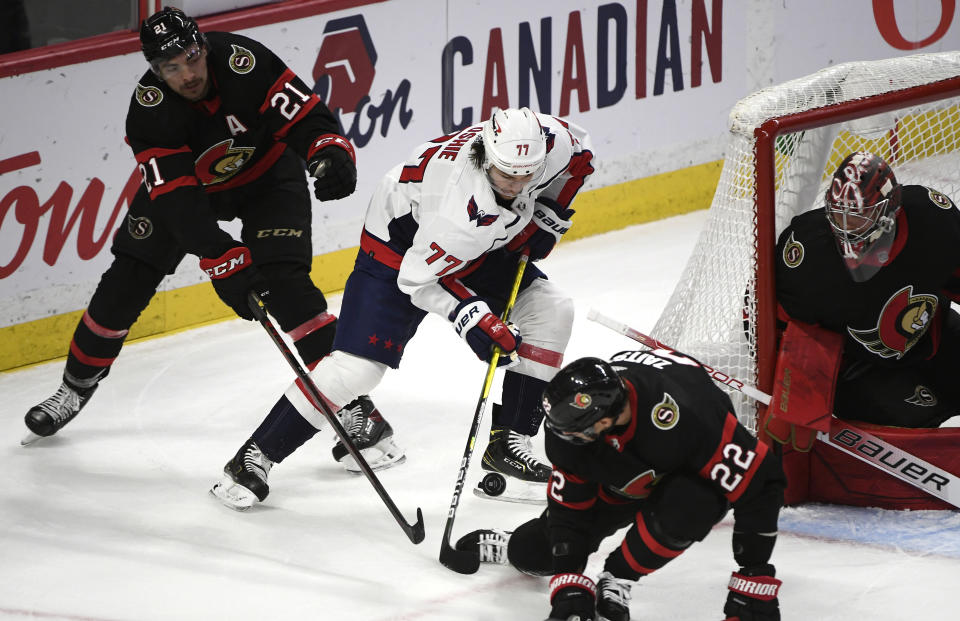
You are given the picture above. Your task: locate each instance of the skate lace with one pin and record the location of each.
(520, 448)
(615, 591)
(62, 405)
(352, 420)
(492, 546)
(254, 461)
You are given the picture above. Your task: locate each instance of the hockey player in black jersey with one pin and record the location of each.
(646, 441)
(220, 128)
(878, 264)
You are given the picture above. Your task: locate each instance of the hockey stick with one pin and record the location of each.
(842, 436)
(461, 561)
(414, 531)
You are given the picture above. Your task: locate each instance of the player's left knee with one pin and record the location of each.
(544, 314)
(294, 298)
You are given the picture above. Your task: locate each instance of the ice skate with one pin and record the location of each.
(613, 598)
(244, 481)
(513, 472)
(489, 543)
(370, 433)
(51, 415)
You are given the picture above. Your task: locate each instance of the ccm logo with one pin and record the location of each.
(217, 271)
(888, 458)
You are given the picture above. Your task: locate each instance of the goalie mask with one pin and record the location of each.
(167, 34)
(861, 205)
(579, 395)
(515, 144)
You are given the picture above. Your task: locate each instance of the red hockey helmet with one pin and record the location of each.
(862, 200)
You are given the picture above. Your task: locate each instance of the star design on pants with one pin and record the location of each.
(388, 344)
(373, 338)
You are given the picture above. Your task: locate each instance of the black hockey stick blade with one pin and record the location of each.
(460, 561)
(415, 532)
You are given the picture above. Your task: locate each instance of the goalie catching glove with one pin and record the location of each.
(234, 276)
(482, 330)
(333, 165)
(549, 222)
(753, 595)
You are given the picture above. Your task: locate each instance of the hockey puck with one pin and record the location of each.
(493, 484)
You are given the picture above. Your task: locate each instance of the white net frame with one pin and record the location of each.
(785, 143)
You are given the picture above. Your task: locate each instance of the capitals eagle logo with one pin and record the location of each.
(904, 319)
(478, 216)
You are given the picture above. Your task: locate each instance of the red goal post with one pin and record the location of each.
(785, 143)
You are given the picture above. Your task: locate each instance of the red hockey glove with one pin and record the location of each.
(550, 221)
(753, 595)
(233, 276)
(331, 162)
(572, 596)
(482, 330)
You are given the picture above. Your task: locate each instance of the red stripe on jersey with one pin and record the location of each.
(579, 168)
(307, 107)
(610, 499)
(253, 173)
(277, 87)
(91, 361)
(311, 325)
(170, 186)
(379, 251)
(761, 451)
(541, 355)
(452, 282)
(729, 426)
(99, 330)
(632, 562)
(655, 546)
(147, 154)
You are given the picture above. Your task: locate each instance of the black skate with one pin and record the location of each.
(514, 473)
(370, 433)
(489, 543)
(52, 414)
(613, 598)
(244, 479)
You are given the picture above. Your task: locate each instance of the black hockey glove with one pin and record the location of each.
(550, 221)
(753, 595)
(482, 330)
(573, 597)
(233, 276)
(332, 164)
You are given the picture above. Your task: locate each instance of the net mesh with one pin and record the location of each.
(712, 313)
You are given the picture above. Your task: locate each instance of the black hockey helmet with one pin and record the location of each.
(582, 393)
(166, 34)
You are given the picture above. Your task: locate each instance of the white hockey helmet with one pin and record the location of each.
(515, 143)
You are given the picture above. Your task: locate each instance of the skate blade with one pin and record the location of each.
(524, 492)
(30, 438)
(233, 496)
(385, 454)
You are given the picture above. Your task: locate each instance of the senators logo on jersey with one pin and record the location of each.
(792, 252)
(904, 319)
(221, 162)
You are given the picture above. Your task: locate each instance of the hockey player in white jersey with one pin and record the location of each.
(442, 234)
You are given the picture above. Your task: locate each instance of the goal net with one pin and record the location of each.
(784, 145)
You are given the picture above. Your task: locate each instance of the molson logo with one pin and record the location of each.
(344, 72)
